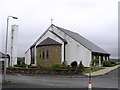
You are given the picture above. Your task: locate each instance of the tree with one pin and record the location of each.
(81, 66)
(74, 64)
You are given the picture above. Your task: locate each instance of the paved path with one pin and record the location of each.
(103, 71)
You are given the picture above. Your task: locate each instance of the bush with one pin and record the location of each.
(113, 63)
(33, 66)
(18, 62)
(74, 64)
(107, 63)
(81, 66)
(56, 66)
(95, 62)
(22, 64)
(64, 64)
(68, 66)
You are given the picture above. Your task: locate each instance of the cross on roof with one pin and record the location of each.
(52, 20)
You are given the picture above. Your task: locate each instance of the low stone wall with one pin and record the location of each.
(43, 71)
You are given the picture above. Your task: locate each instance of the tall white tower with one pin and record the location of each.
(14, 42)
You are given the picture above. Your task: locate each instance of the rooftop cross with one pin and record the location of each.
(52, 20)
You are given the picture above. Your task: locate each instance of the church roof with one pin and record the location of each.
(77, 37)
(49, 41)
(80, 39)
(65, 41)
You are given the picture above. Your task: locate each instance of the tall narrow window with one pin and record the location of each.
(40, 54)
(43, 54)
(47, 54)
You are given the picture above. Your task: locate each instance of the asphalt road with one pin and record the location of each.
(109, 80)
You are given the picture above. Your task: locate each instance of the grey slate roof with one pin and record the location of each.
(86, 43)
(80, 39)
(49, 41)
(65, 41)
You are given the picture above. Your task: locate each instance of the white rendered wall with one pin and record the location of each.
(77, 52)
(1, 41)
(14, 43)
(74, 50)
(28, 57)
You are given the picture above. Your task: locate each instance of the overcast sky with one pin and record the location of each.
(96, 20)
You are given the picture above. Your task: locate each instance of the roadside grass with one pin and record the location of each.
(6, 82)
(93, 69)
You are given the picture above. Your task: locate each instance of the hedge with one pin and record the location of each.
(43, 71)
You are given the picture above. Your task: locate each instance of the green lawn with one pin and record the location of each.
(93, 69)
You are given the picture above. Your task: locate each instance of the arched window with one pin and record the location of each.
(43, 54)
(40, 54)
(47, 54)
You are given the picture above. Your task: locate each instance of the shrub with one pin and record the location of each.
(33, 66)
(68, 66)
(95, 62)
(92, 62)
(107, 63)
(18, 62)
(81, 66)
(113, 63)
(56, 66)
(64, 64)
(22, 64)
(74, 64)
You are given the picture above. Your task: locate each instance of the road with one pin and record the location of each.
(109, 80)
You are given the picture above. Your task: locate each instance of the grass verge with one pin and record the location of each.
(93, 69)
(6, 82)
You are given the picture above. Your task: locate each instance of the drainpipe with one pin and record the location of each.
(64, 51)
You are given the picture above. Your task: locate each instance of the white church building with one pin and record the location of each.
(57, 45)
